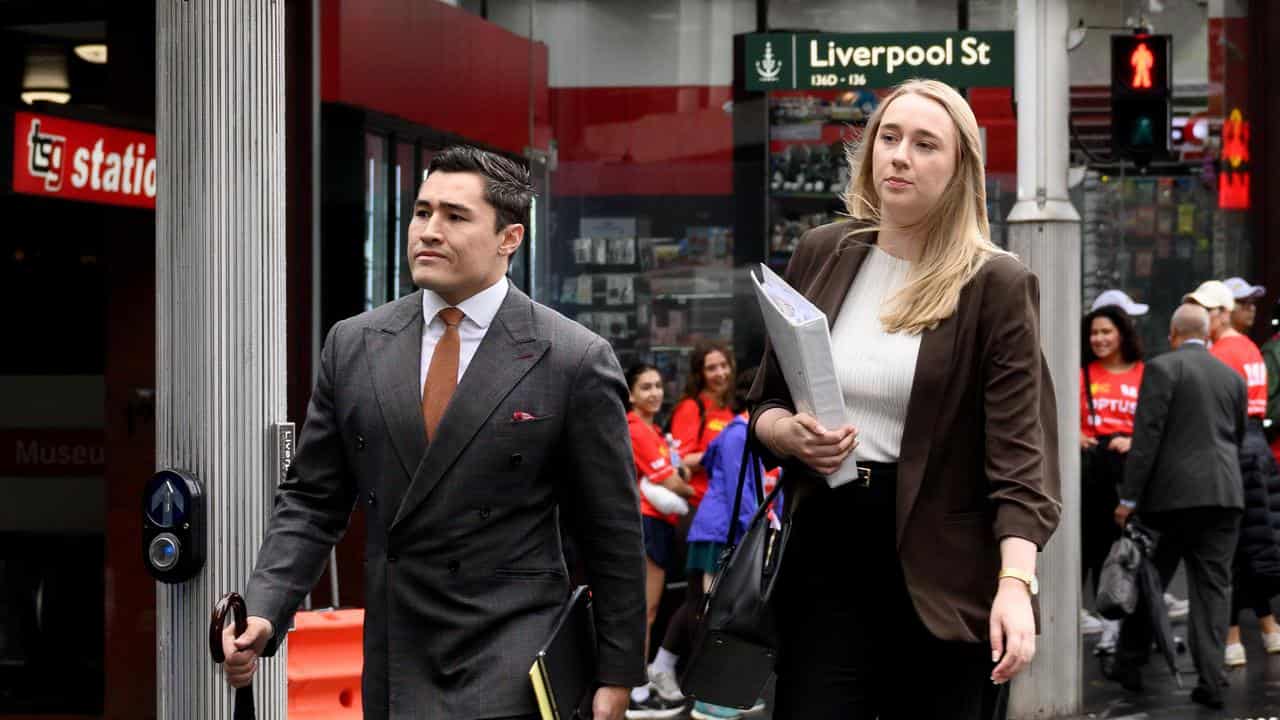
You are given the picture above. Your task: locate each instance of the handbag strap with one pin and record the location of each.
(1088, 394)
(747, 459)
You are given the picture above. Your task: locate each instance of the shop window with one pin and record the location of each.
(405, 180)
(54, 284)
(375, 206)
(1157, 238)
(651, 284)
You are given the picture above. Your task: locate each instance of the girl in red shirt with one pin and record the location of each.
(1109, 380)
(697, 419)
(704, 410)
(653, 465)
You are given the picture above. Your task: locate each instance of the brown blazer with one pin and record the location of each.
(979, 456)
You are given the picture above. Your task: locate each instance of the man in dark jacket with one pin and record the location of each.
(1183, 477)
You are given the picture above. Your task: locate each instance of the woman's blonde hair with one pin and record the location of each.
(955, 233)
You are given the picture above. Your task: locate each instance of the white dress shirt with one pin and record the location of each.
(479, 310)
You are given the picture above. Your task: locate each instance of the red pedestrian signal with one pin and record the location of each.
(1140, 65)
(1141, 60)
(1141, 95)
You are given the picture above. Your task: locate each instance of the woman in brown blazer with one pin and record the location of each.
(910, 594)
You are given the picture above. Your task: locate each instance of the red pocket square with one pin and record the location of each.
(521, 416)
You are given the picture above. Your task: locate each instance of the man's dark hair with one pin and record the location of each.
(506, 182)
(1130, 343)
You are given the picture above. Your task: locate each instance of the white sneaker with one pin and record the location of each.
(1235, 655)
(664, 681)
(1090, 624)
(1271, 641)
(1177, 608)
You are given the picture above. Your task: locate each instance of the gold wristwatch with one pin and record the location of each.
(1033, 585)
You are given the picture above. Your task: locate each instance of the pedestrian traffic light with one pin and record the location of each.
(1141, 93)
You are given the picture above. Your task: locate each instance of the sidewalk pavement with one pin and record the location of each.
(1253, 693)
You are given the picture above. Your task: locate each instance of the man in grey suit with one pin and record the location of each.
(1183, 479)
(467, 419)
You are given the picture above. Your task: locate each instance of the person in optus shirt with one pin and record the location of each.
(654, 469)
(1246, 296)
(704, 409)
(702, 412)
(1110, 375)
(1256, 567)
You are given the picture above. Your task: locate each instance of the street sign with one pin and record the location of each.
(806, 61)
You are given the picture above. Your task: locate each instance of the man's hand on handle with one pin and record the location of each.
(1122, 514)
(243, 652)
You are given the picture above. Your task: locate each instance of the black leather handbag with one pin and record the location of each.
(736, 640)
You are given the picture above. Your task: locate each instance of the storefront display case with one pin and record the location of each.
(1156, 236)
(652, 297)
(808, 133)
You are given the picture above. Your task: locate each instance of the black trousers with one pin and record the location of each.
(1245, 597)
(1247, 592)
(1098, 500)
(1205, 539)
(852, 645)
(678, 638)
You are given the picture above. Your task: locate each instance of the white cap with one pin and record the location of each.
(1242, 290)
(1212, 294)
(1121, 300)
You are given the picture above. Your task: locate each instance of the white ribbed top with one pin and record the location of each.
(876, 368)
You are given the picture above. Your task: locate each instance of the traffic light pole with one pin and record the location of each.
(1045, 233)
(220, 282)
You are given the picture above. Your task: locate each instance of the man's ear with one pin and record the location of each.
(512, 236)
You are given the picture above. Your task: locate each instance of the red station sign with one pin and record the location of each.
(1233, 177)
(56, 157)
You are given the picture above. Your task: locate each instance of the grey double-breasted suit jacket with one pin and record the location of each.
(464, 575)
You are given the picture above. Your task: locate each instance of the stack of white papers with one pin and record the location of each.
(801, 340)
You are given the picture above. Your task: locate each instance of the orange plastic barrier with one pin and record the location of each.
(325, 654)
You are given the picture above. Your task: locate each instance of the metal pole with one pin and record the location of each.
(220, 281)
(333, 580)
(1044, 230)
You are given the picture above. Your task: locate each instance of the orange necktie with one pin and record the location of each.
(442, 373)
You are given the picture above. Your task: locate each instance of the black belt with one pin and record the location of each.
(875, 473)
